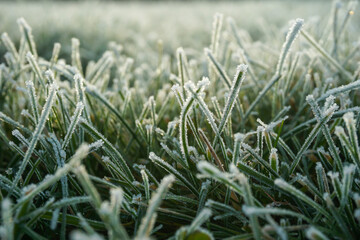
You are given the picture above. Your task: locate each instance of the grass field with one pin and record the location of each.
(180, 120)
(140, 25)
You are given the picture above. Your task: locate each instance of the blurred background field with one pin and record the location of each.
(139, 25)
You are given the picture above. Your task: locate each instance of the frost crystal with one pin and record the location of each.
(290, 37)
(203, 83)
(96, 145)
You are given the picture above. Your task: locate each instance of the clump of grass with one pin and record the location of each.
(111, 150)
